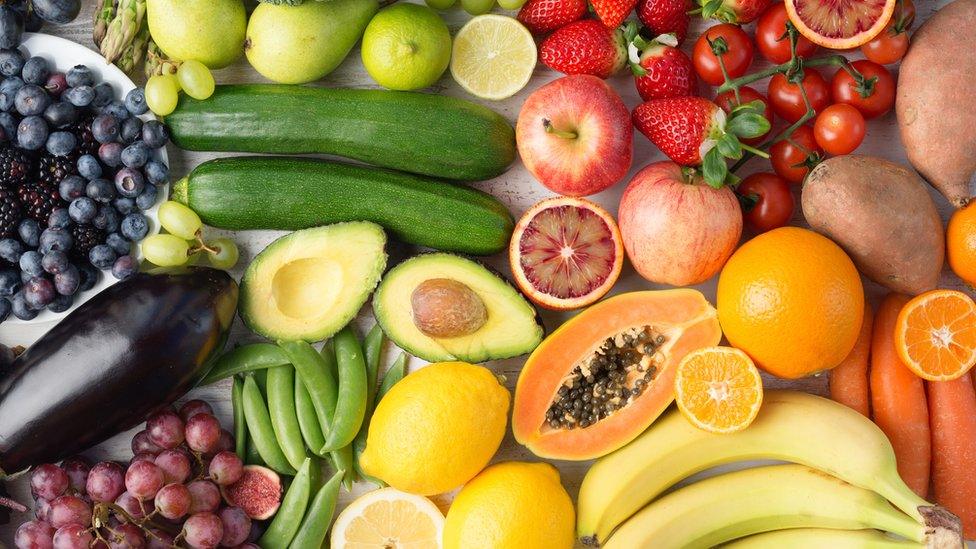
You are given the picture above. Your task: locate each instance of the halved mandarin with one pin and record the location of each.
(718, 389)
(935, 335)
(840, 24)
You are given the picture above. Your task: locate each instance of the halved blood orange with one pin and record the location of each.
(566, 253)
(840, 24)
(718, 389)
(935, 335)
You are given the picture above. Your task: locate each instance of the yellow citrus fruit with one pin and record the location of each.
(961, 243)
(718, 389)
(437, 428)
(792, 300)
(388, 519)
(512, 505)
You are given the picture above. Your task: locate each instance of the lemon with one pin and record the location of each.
(512, 505)
(493, 57)
(406, 47)
(388, 519)
(436, 428)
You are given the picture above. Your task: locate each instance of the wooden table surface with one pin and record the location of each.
(517, 188)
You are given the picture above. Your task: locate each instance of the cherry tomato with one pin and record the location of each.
(737, 58)
(839, 129)
(904, 16)
(788, 155)
(772, 201)
(727, 101)
(888, 47)
(771, 37)
(843, 89)
(787, 99)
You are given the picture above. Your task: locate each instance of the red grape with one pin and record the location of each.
(203, 531)
(126, 536)
(203, 433)
(194, 407)
(175, 465)
(205, 496)
(77, 469)
(136, 509)
(143, 456)
(226, 468)
(237, 526)
(173, 501)
(67, 510)
(49, 481)
(106, 482)
(142, 443)
(165, 429)
(73, 536)
(34, 534)
(226, 442)
(143, 479)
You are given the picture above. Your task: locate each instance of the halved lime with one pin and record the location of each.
(493, 57)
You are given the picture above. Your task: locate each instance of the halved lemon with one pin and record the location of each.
(493, 57)
(840, 24)
(389, 519)
(718, 389)
(935, 335)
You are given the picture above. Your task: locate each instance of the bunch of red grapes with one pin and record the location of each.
(168, 496)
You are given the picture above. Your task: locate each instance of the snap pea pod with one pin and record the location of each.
(261, 429)
(316, 373)
(240, 425)
(393, 375)
(284, 416)
(308, 423)
(341, 459)
(289, 516)
(246, 358)
(251, 455)
(372, 348)
(351, 402)
(318, 518)
(261, 378)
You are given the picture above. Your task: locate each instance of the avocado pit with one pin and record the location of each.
(446, 308)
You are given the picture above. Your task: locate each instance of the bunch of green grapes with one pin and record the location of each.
(184, 240)
(163, 90)
(476, 7)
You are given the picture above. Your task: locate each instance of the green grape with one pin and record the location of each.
(226, 255)
(477, 7)
(196, 79)
(511, 4)
(179, 220)
(162, 94)
(441, 4)
(165, 250)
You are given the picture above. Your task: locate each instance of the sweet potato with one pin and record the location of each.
(882, 215)
(934, 101)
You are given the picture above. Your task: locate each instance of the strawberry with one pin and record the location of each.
(584, 47)
(542, 16)
(738, 12)
(665, 17)
(662, 70)
(613, 13)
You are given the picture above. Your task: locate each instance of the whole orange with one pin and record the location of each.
(961, 243)
(792, 300)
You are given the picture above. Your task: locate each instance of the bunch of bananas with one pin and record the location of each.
(841, 487)
(121, 33)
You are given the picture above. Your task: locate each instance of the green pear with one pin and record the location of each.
(208, 31)
(299, 44)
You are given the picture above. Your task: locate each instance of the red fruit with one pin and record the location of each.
(680, 126)
(584, 47)
(737, 12)
(613, 12)
(665, 17)
(770, 201)
(771, 37)
(736, 53)
(787, 97)
(668, 72)
(727, 101)
(258, 492)
(875, 97)
(542, 16)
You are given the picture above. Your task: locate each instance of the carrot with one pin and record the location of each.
(849, 383)
(952, 407)
(898, 400)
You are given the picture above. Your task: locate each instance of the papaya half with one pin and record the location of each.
(605, 375)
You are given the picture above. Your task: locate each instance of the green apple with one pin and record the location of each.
(406, 47)
(208, 31)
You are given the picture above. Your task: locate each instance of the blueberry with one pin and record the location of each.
(100, 190)
(135, 101)
(135, 155)
(7, 100)
(20, 308)
(11, 26)
(60, 114)
(129, 182)
(125, 267)
(55, 239)
(67, 281)
(80, 75)
(32, 133)
(89, 167)
(102, 256)
(131, 130)
(71, 187)
(135, 226)
(12, 84)
(11, 249)
(107, 219)
(117, 109)
(148, 197)
(155, 134)
(55, 262)
(82, 210)
(60, 303)
(9, 282)
(30, 263)
(35, 71)
(5, 308)
(103, 94)
(81, 96)
(61, 143)
(105, 128)
(8, 123)
(59, 219)
(56, 84)
(25, 276)
(110, 154)
(156, 172)
(89, 277)
(11, 62)
(57, 11)
(118, 243)
(38, 292)
(124, 205)
(29, 232)
(31, 100)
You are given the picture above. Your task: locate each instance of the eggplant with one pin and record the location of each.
(129, 351)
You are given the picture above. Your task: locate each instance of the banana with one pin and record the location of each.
(792, 426)
(818, 538)
(761, 499)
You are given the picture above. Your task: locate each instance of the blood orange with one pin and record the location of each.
(566, 253)
(840, 24)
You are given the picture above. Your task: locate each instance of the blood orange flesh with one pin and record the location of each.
(566, 253)
(840, 24)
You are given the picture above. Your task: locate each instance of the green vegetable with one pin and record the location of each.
(318, 518)
(351, 402)
(251, 455)
(372, 347)
(123, 28)
(242, 193)
(240, 425)
(342, 459)
(307, 421)
(428, 134)
(284, 417)
(393, 375)
(261, 430)
(289, 516)
(315, 373)
(246, 358)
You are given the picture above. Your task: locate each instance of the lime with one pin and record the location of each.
(494, 56)
(406, 47)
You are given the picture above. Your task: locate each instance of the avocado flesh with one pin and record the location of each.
(309, 284)
(511, 328)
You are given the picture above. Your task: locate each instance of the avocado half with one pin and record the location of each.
(308, 284)
(511, 327)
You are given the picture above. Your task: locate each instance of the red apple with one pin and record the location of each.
(574, 135)
(676, 229)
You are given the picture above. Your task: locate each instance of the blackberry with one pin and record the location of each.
(83, 133)
(52, 169)
(85, 238)
(39, 199)
(15, 166)
(11, 213)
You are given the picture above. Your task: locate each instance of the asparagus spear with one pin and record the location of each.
(104, 13)
(123, 28)
(133, 55)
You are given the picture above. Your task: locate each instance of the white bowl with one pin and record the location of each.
(61, 55)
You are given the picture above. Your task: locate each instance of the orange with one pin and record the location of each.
(961, 243)
(840, 24)
(718, 389)
(935, 335)
(792, 300)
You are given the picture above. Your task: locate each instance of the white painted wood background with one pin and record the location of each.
(516, 188)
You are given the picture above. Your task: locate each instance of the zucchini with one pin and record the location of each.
(288, 193)
(420, 133)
